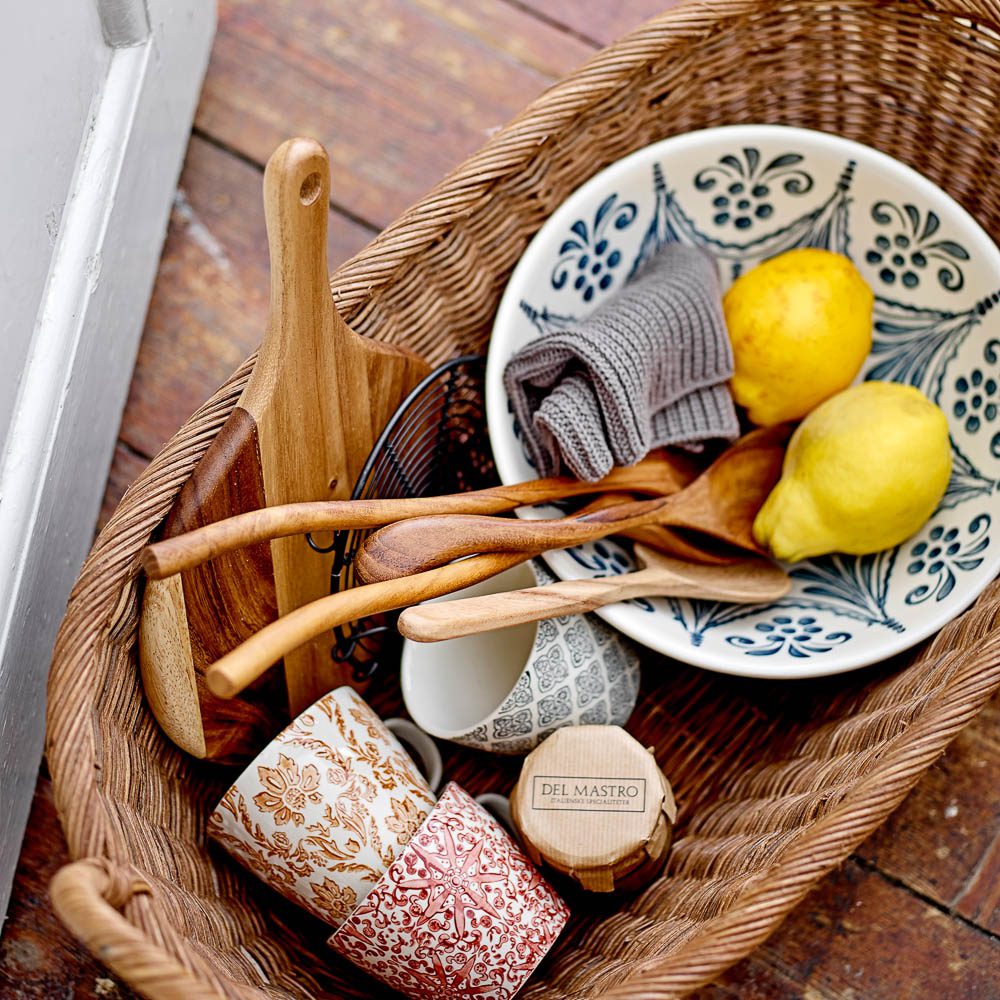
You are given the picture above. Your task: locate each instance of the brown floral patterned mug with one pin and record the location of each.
(328, 805)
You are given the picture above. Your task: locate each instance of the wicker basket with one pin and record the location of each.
(777, 783)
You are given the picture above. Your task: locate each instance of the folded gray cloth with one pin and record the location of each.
(646, 369)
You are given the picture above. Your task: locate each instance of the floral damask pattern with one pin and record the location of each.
(287, 790)
(326, 807)
(461, 913)
(555, 707)
(336, 901)
(910, 243)
(744, 183)
(588, 258)
(945, 554)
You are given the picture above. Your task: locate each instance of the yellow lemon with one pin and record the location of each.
(863, 472)
(801, 327)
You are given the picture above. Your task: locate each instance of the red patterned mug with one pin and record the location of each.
(461, 912)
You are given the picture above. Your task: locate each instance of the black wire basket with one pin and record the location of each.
(436, 442)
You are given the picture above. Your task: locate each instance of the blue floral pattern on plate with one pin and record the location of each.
(909, 243)
(944, 554)
(743, 184)
(799, 637)
(747, 193)
(588, 258)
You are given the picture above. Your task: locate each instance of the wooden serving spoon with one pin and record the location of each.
(239, 668)
(753, 581)
(696, 548)
(722, 502)
(659, 474)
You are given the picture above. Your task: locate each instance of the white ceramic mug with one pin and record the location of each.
(329, 804)
(505, 691)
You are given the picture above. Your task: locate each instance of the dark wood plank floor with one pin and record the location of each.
(400, 91)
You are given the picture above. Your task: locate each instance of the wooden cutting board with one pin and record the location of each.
(317, 399)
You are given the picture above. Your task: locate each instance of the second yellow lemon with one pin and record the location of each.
(801, 327)
(863, 472)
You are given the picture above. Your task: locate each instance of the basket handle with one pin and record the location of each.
(86, 896)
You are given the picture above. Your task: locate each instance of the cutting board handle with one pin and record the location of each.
(297, 208)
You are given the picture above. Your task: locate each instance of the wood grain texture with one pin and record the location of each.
(319, 394)
(208, 313)
(944, 841)
(209, 306)
(721, 503)
(230, 675)
(223, 602)
(600, 23)
(858, 937)
(317, 399)
(750, 582)
(399, 91)
(39, 958)
(658, 473)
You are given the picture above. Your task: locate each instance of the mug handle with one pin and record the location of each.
(499, 807)
(426, 749)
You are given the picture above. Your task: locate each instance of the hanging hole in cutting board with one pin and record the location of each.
(310, 189)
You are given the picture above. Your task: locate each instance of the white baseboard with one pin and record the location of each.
(82, 350)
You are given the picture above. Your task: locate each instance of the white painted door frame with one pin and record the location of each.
(81, 348)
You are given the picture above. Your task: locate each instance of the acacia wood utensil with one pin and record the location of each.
(752, 581)
(722, 503)
(660, 473)
(242, 666)
(248, 661)
(318, 397)
(693, 547)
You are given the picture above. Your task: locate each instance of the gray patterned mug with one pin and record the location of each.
(505, 691)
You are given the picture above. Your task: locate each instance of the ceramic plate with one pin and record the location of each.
(748, 193)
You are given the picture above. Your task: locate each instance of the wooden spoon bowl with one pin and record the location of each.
(721, 503)
(659, 474)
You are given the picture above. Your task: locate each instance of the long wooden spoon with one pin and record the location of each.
(239, 668)
(230, 674)
(753, 581)
(235, 671)
(659, 474)
(722, 502)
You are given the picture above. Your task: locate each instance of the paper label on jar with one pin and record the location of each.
(588, 794)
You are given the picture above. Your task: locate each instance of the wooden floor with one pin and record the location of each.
(400, 91)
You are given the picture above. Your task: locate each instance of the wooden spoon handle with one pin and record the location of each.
(185, 552)
(228, 676)
(425, 542)
(472, 615)
(748, 582)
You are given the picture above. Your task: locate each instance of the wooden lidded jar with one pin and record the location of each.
(592, 803)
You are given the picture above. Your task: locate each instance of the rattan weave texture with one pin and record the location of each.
(776, 783)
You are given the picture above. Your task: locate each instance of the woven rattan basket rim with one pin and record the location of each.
(101, 618)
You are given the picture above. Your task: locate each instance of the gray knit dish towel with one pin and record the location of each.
(646, 369)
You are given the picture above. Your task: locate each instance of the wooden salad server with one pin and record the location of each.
(243, 665)
(658, 474)
(760, 460)
(753, 581)
(693, 547)
(722, 503)
(317, 399)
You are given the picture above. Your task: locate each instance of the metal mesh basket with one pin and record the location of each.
(435, 443)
